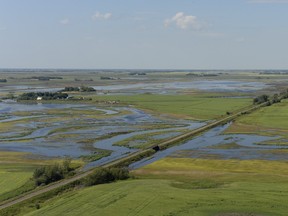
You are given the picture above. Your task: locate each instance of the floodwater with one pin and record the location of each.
(48, 139)
(205, 146)
(160, 87)
(212, 85)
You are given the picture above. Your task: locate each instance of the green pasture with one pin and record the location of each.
(186, 106)
(181, 186)
(16, 170)
(271, 120)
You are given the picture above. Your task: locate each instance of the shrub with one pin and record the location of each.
(48, 174)
(106, 175)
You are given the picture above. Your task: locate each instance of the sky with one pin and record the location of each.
(144, 34)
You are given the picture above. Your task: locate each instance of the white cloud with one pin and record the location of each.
(100, 16)
(268, 1)
(64, 21)
(183, 21)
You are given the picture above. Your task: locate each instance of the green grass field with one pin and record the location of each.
(16, 170)
(13, 176)
(271, 120)
(187, 106)
(177, 186)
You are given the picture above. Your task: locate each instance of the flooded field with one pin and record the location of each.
(165, 87)
(58, 130)
(78, 130)
(75, 130)
(214, 145)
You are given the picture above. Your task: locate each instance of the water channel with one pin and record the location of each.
(134, 122)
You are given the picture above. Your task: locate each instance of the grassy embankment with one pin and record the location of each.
(196, 106)
(270, 120)
(181, 186)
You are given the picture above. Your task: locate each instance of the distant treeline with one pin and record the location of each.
(45, 78)
(274, 72)
(107, 78)
(3, 80)
(276, 98)
(137, 73)
(80, 89)
(43, 95)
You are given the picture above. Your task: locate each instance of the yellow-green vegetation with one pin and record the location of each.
(186, 106)
(271, 120)
(177, 186)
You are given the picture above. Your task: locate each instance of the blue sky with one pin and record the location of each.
(151, 34)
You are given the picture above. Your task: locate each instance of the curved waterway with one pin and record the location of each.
(54, 139)
(64, 135)
(205, 146)
(121, 151)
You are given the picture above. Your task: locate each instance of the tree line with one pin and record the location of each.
(276, 98)
(43, 95)
(79, 89)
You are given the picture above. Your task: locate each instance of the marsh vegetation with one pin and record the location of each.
(206, 175)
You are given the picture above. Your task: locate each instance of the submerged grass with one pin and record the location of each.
(146, 140)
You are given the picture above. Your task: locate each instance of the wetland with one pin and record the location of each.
(131, 113)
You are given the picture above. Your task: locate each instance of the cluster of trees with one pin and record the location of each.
(3, 80)
(284, 94)
(71, 88)
(44, 95)
(48, 174)
(137, 73)
(87, 89)
(106, 78)
(78, 80)
(82, 89)
(276, 98)
(261, 99)
(106, 175)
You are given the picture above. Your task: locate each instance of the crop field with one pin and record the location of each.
(186, 106)
(183, 187)
(14, 172)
